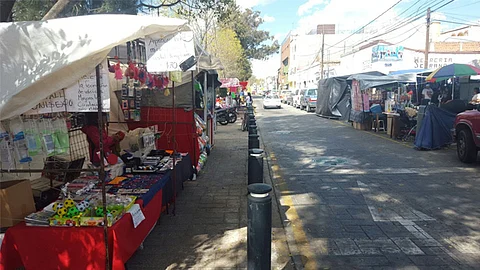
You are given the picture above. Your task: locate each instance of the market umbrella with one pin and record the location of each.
(452, 71)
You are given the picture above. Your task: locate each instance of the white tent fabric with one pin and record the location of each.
(39, 58)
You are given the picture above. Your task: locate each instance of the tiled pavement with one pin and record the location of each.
(208, 230)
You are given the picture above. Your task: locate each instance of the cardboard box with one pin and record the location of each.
(16, 202)
(363, 126)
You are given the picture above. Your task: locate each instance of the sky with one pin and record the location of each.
(282, 16)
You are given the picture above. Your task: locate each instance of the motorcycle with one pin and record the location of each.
(232, 115)
(225, 116)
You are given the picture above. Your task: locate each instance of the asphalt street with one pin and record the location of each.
(358, 200)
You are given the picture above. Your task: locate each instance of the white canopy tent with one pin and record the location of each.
(39, 58)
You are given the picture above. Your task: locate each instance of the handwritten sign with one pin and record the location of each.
(137, 215)
(80, 97)
(166, 53)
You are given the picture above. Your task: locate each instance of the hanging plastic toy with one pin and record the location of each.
(142, 76)
(118, 70)
(150, 80)
(129, 72)
(135, 71)
(165, 82)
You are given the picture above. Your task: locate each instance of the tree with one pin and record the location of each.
(258, 44)
(32, 10)
(225, 45)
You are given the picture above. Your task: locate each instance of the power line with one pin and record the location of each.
(398, 26)
(358, 30)
(462, 23)
(458, 14)
(363, 27)
(467, 5)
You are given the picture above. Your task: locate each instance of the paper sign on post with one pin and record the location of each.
(80, 97)
(166, 53)
(137, 214)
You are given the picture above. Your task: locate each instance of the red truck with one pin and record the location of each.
(467, 134)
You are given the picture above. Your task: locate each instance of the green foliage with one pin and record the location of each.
(31, 10)
(34, 10)
(258, 44)
(225, 45)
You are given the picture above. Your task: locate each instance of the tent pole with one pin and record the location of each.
(205, 108)
(453, 87)
(102, 165)
(195, 140)
(174, 140)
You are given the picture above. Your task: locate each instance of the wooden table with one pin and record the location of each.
(392, 127)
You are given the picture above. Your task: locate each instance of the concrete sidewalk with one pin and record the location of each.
(209, 230)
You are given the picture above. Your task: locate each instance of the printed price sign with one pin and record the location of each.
(166, 53)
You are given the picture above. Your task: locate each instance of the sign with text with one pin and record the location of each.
(166, 53)
(387, 53)
(80, 97)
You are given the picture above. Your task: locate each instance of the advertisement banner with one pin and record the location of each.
(387, 53)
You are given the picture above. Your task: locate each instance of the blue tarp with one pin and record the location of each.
(408, 71)
(435, 131)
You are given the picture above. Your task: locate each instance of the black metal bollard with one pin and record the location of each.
(259, 230)
(255, 166)
(251, 116)
(252, 129)
(249, 109)
(252, 121)
(253, 141)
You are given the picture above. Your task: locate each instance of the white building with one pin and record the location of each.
(387, 57)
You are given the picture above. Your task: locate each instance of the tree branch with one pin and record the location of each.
(159, 6)
(56, 9)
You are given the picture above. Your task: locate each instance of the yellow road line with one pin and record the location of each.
(308, 257)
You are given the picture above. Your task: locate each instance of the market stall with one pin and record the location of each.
(333, 97)
(103, 214)
(390, 94)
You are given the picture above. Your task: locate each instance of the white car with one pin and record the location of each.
(298, 94)
(272, 101)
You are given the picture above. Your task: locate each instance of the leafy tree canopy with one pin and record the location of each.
(225, 45)
(34, 10)
(258, 44)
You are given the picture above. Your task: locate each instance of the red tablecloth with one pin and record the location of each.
(79, 247)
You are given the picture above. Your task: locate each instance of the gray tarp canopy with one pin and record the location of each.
(333, 96)
(371, 81)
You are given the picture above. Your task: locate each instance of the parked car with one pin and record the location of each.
(296, 97)
(467, 135)
(283, 96)
(309, 100)
(289, 99)
(272, 101)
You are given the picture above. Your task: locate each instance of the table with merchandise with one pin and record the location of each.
(68, 233)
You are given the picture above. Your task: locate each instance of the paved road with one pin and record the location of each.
(357, 200)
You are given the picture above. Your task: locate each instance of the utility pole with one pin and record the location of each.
(323, 50)
(427, 41)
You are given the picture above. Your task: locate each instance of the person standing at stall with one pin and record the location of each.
(476, 96)
(110, 143)
(427, 94)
